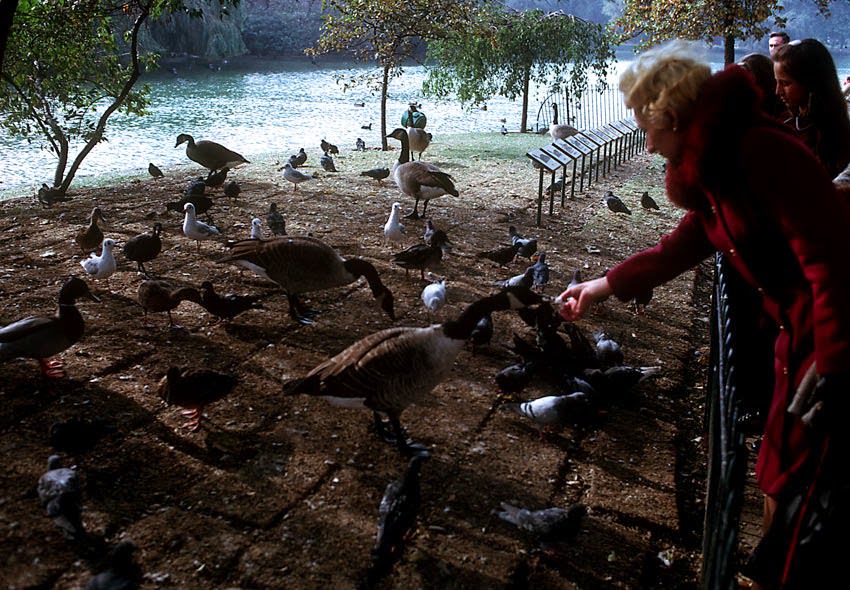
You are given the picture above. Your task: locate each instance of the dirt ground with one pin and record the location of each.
(283, 492)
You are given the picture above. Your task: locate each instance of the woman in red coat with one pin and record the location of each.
(754, 192)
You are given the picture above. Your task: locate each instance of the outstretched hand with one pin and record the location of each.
(577, 299)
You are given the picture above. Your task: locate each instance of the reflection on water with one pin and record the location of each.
(274, 111)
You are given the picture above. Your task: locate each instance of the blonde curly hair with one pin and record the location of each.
(665, 80)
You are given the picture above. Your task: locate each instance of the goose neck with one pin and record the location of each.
(358, 267)
(462, 327)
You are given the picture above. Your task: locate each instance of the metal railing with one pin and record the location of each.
(595, 108)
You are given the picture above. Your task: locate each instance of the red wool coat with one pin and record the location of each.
(757, 194)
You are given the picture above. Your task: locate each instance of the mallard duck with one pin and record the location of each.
(275, 221)
(194, 229)
(90, 237)
(193, 389)
(419, 180)
(209, 154)
(560, 130)
(418, 139)
(377, 173)
(201, 204)
(394, 368)
(158, 295)
(393, 229)
(295, 176)
(101, 267)
(144, 247)
(328, 147)
(226, 307)
(302, 265)
(43, 337)
(500, 256)
(423, 256)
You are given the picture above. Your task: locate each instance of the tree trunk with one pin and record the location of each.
(526, 80)
(728, 50)
(7, 14)
(385, 82)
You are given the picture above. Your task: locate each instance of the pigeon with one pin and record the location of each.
(61, 495)
(555, 411)
(329, 147)
(327, 163)
(501, 256)
(256, 229)
(556, 186)
(540, 270)
(154, 171)
(527, 246)
(393, 229)
(504, 130)
(377, 173)
(615, 204)
(648, 202)
(193, 389)
(194, 229)
(298, 159)
(617, 382)
(232, 190)
(398, 511)
(642, 300)
(526, 279)
(120, 573)
(429, 231)
(216, 178)
(196, 188)
(608, 350)
(434, 296)
(295, 176)
(144, 247)
(226, 307)
(47, 195)
(482, 333)
(101, 267)
(359, 145)
(275, 221)
(547, 526)
(514, 378)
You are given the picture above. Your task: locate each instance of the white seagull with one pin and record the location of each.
(434, 296)
(295, 176)
(101, 267)
(256, 230)
(393, 229)
(194, 229)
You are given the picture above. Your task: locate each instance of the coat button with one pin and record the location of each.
(731, 251)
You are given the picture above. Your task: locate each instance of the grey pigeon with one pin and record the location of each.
(154, 171)
(547, 526)
(615, 204)
(398, 511)
(298, 159)
(328, 147)
(482, 333)
(360, 145)
(555, 411)
(232, 190)
(617, 382)
(295, 176)
(540, 270)
(608, 350)
(527, 246)
(196, 187)
(515, 378)
(526, 279)
(648, 202)
(120, 571)
(275, 221)
(377, 173)
(61, 495)
(327, 163)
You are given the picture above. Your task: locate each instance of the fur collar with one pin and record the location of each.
(728, 107)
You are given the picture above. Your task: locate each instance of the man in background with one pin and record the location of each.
(776, 40)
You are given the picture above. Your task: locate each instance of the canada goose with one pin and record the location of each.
(144, 247)
(209, 154)
(43, 337)
(419, 180)
(275, 221)
(90, 237)
(194, 229)
(560, 131)
(158, 295)
(423, 256)
(226, 307)
(303, 265)
(394, 368)
(101, 267)
(419, 138)
(193, 389)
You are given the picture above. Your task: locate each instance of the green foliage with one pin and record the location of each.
(500, 51)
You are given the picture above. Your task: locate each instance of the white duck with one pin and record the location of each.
(434, 296)
(101, 267)
(393, 229)
(194, 229)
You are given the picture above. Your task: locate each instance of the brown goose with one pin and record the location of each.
(302, 265)
(90, 237)
(160, 295)
(42, 337)
(560, 130)
(419, 180)
(193, 389)
(209, 154)
(394, 368)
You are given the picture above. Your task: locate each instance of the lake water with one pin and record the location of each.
(260, 109)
